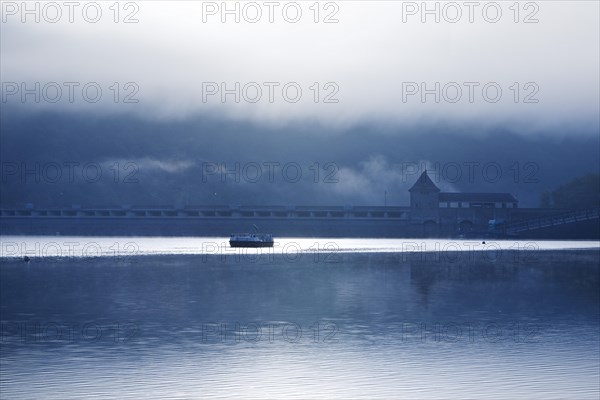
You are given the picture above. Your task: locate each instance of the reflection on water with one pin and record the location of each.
(372, 325)
(289, 248)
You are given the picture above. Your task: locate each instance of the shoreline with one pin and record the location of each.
(526, 257)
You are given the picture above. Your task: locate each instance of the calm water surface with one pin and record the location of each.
(189, 318)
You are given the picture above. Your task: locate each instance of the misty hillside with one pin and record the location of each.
(54, 159)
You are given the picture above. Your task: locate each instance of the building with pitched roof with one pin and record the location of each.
(434, 208)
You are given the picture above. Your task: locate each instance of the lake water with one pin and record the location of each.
(312, 318)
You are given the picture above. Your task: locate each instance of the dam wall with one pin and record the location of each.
(282, 221)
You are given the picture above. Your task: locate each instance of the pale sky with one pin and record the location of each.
(374, 61)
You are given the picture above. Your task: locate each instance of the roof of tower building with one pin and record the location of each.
(424, 184)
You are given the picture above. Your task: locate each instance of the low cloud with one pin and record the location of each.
(362, 62)
(149, 164)
(375, 176)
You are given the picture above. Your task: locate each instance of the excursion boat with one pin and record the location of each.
(251, 240)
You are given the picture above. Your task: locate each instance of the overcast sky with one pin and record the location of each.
(374, 58)
(488, 82)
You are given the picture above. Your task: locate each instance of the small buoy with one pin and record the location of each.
(483, 242)
(26, 259)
